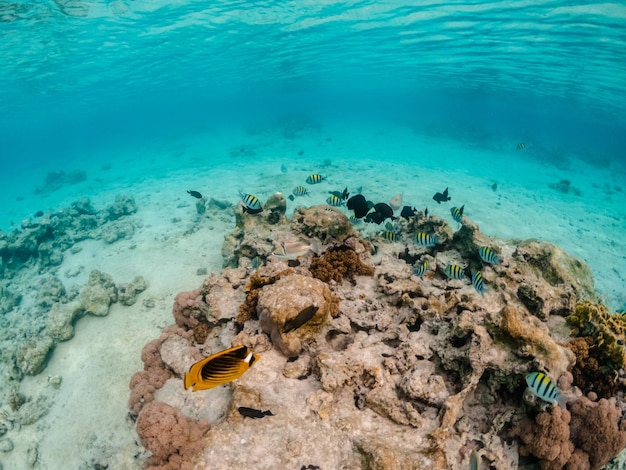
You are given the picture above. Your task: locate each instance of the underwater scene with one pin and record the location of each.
(312, 235)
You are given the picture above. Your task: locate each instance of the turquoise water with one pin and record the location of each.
(152, 98)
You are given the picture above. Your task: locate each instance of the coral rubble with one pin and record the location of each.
(365, 365)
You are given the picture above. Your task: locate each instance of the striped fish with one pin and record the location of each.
(390, 236)
(299, 191)
(420, 269)
(454, 271)
(520, 146)
(488, 255)
(314, 178)
(424, 239)
(250, 201)
(543, 387)
(353, 218)
(457, 214)
(478, 282)
(334, 201)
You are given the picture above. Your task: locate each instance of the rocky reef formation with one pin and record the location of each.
(366, 365)
(41, 241)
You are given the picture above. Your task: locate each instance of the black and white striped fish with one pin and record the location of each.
(420, 269)
(300, 191)
(390, 235)
(334, 201)
(543, 387)
(488, 255)
(454, 271)
(314, 178)
(478, 282)
(425, 239)
(250, 201)
(457, 213)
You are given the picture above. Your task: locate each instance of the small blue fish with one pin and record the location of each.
(457, 214)
(250, 201)
(334, 201)
(424, 239)
(300, 191)
(420, 269)
(390, 236)
(454, 271)
(478, 282)
(473, 460)
(488, 255)
(543, 387)
(314, 178)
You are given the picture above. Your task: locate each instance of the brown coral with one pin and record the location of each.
(190, 308)
(588, 375)
(173, 439)
(247, 310)
(595, 430)
(547, 438)
(339, 263)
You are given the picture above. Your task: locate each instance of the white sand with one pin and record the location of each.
(88, 424)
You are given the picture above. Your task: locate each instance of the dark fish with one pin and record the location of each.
(310, 467)
(384, 210)
(195, 194)
(359, 205)
(457, 213)
(253, 413)
(301, 152)
(408, 211)
(304, 316)
(283, 168)
(290, 197)
(520, 146)
(374, 217)
(345, 194)
(441, 197)
(426, 212)
(38, 213)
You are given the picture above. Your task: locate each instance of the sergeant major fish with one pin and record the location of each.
(314, 178)
(478, 282)
(457, 213)
(250, 202)
(454, 271)
(543, 387)
(420, 269)
(425, 239)
(334, 201)
(488, 255)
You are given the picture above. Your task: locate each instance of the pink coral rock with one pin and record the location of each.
(173, 439)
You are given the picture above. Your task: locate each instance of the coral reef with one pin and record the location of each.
(586, 437)
(365, 365)
(339, 263)
(171, 437)
(42, 241)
